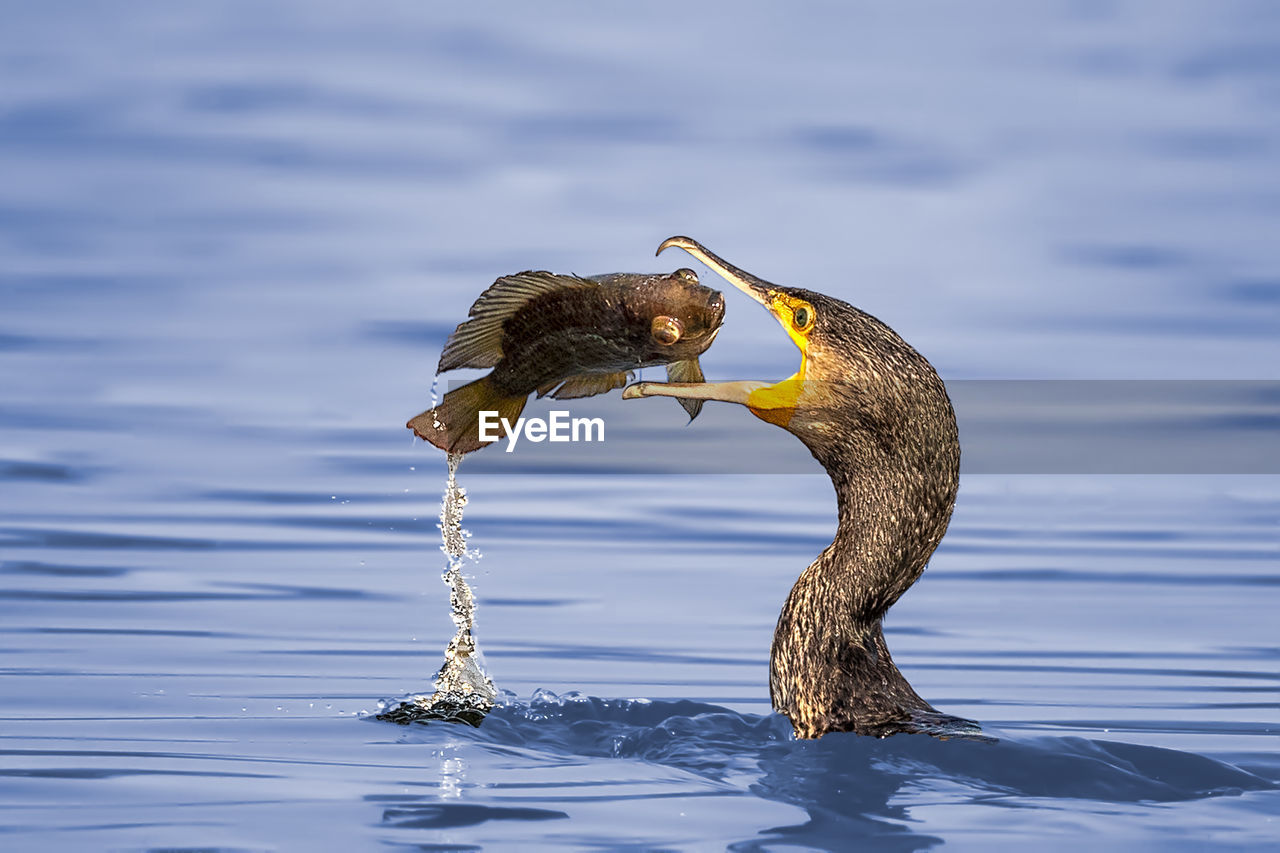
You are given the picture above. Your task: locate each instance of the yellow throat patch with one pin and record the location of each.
(777, 403)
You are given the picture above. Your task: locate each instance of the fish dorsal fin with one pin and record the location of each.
(687, 371)
(478, 342)
(590, 384)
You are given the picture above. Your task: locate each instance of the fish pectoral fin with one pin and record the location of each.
(454, 425)
(687, 371)
(590, 384)
(478, 342)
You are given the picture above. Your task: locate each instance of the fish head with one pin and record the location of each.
(674, 315)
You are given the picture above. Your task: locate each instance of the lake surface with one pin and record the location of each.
(233, 240)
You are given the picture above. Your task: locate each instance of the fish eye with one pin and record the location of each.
(802, 317)
(667, 330)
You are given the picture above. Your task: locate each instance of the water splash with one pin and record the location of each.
(842, 777)
(464, 693)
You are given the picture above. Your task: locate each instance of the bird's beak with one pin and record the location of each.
(727, 392)
(771, 401)
(757, 288)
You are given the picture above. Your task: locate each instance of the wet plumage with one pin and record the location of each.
(568, 337)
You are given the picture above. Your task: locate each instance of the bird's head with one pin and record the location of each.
(859, 386)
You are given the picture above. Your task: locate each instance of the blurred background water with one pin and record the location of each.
(233, 237)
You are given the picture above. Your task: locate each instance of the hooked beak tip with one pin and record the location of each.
(756, 288)
(677, 242)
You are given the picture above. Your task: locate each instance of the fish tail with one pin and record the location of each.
(454, 425)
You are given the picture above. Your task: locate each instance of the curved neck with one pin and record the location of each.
(830, 669)
(888, 527)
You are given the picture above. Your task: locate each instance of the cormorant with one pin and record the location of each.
(877, 417)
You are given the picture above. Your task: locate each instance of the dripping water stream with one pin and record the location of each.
(464, 693)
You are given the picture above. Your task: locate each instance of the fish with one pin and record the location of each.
(568, 337)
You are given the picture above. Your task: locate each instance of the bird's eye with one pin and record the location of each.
(802, 317)
(667, 330)
(687, 274)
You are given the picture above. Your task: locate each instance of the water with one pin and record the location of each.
(463, 691)
(234, 238)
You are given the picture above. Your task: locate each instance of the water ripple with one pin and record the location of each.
(846, 783)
